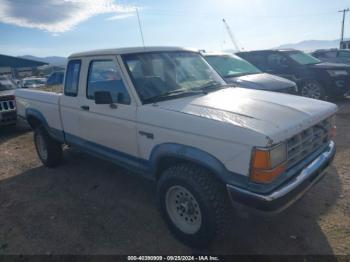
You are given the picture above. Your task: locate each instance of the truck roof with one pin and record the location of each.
(129, 50)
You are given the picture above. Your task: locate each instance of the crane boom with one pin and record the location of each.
(228, 29)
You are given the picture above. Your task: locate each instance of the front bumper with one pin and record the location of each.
(290, 191)
(8, 118)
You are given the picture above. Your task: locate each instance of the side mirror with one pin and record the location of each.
(103, 98)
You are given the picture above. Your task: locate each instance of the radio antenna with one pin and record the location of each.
(140, 27)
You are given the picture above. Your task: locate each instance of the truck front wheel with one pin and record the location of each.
(48, 149)
(193, 203)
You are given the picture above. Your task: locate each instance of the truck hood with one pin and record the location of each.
(276, 116)
(261, 81)
(7, 93)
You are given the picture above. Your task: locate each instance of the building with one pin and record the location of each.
(345, 44)
(18, 67)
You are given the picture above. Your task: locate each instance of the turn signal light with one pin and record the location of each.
(268, 164)
(333, 131)
(267, 176)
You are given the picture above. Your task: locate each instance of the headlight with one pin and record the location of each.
(335, 73)
(268, 164)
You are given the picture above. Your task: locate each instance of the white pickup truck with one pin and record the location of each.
(166, 114)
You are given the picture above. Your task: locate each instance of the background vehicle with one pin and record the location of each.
(56, 78)
(33, 82)
(333, 55)
(236, 70)
(314, 79)
(8, 114)
(166, 114)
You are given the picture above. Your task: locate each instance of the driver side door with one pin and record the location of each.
(108, 129)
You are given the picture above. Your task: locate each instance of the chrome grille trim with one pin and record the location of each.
(306, 142)
(6, 106)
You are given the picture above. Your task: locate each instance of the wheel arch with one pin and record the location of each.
(35, 118)
(168, 154)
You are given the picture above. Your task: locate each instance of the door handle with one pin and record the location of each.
(86, 108)
(146, 134)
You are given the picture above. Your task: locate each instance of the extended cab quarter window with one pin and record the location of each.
(72, 78)
(105, 76)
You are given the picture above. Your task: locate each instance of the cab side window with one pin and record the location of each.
(276, 61)
(105, 76)
(259, 60)
(344, 54)
(72, 78)
(331, 54)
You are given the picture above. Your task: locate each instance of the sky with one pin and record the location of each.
(61, 27)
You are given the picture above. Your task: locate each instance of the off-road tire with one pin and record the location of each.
(211, 196)
(53, 148)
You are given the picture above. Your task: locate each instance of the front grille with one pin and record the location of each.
(308, 141)
(7, 106)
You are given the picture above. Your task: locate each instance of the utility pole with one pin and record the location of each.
(344, 11)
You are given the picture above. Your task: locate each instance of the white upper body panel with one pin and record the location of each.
(272, 117)
(47, 103)
(226, 123)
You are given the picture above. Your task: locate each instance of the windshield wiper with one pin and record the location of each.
(170, 94)
(211, 86)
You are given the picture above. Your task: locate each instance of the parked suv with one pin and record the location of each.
(314, 78)
(333, 55)
(236, 70)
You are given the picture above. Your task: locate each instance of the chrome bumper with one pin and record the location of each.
(290, 191)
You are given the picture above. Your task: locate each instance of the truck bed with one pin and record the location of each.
(43, 103)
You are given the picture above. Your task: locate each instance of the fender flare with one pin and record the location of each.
(54, 133)
(190, 154)
(30, 112)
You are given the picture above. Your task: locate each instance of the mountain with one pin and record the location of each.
(309, 45)
(52, 60)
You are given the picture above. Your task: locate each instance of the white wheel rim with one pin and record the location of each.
(41, 146)
(183, 209)
(311, 90)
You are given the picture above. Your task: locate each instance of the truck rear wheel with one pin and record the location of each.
(193, 203)
(48, 149)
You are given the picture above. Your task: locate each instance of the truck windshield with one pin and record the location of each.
(231, 66)
(302, 58)
(166, 75)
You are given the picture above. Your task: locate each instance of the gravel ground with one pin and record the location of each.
(88, 206)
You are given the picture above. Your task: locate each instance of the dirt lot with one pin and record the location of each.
(88, 206)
